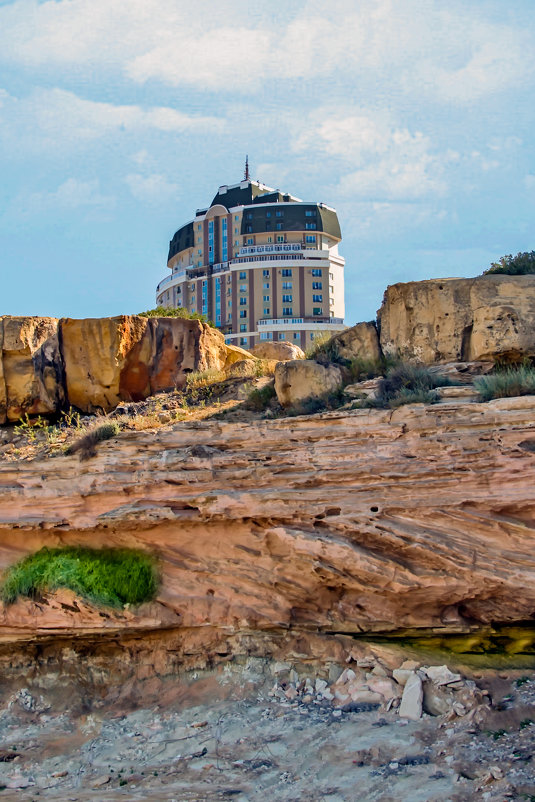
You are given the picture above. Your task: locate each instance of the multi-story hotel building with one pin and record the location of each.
(261, 264)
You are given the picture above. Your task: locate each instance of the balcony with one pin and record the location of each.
(295, 321)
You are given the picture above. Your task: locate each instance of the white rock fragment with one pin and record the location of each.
(441, 675)
(411, 701)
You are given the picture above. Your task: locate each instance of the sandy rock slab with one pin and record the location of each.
(31, 367)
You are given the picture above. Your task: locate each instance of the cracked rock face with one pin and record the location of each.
(444, 320)
(346, 522)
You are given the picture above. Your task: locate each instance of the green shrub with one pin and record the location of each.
(111, 577)
(324, 403)
(86, 445)
(520, 265)
(175, 311)
(406, 383)
(260, 399)
(513, 381)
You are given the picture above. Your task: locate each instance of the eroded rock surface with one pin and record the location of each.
(278, 350)
(356, 521)
(443, 320)
(302, 379)
(31, 368)
(128, 358)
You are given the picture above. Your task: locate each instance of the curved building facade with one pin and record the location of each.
(261, 264)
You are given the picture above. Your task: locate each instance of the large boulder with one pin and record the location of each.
(358, 342)
(451, 320)
(31, 368)
(128, 358)
(281, 351)
(301, 379)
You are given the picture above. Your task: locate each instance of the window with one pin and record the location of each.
(249, 229)
(236, 231)
(266, 285)
(243, 326)
(278, 226)
(310, 226)
(270, 239)
(236, 217)
(282, 335)
(268, 225)
(243, 287)
(266, 299)
(199, 226)
(268, 214)
(243, 312)
(265, 273)
(287, 285)
(279, 213)
(317, 310)
(296, 335)
(229, 304)
(310, 238)
(287, 299)
(266, 310)
(287, 271)
(310, 213)
(331, 301)
(287, 310)
(280, 239)
(243, 340)
(331, 275)
(317, 285)
(243, 275)
(250, 241)
(318, 299)
(316, 271)
(199, 252)
(243, 301)
(249, 215)
(265, 335)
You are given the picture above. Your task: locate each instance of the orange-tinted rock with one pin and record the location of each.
(128, 358)
(358, 521)
(31, 372)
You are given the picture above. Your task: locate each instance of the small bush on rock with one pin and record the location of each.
(86, 445)
(176, 311)
(406, 383)
(512, 381)
(112, 577)
(260, 399)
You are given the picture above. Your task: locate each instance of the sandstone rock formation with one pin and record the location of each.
(31, 368)
(358, 342)
(279, 350)
(360, 521)
(127, 358)
(303, 378)
(447, 320)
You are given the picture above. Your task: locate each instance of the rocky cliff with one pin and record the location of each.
(93, 364)
(349, 522)
(445, 320)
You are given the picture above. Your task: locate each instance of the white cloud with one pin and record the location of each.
(377, 159)
(73, 193)
(152, 189)
(417, 46)
(56, 117)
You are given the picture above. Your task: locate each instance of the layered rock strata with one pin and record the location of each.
(349, 522)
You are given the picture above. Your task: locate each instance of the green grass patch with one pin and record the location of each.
(175, 311)
(512, 381)
(260, 399)
(110, 577)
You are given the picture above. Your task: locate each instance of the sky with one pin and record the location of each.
(413, 118)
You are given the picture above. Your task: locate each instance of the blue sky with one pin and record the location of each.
(414, 118)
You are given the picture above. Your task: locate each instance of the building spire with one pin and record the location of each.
(246, 171)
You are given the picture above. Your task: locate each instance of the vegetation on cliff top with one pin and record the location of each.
(177, 311)
(110, 577)
(520, 265)
(508, 383)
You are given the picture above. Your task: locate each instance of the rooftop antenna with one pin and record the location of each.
(246, 171)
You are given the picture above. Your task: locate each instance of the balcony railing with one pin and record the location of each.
(288, 321)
